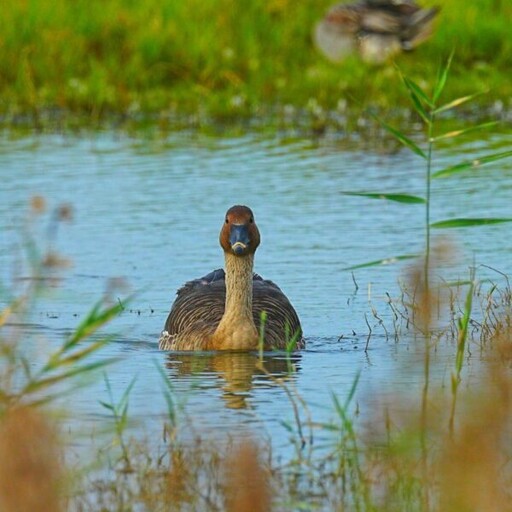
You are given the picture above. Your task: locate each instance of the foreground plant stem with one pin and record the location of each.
(427, 203)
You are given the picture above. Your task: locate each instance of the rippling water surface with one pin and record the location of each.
(149, 211)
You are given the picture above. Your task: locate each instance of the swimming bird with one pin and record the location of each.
(375, 29)
(223, 310)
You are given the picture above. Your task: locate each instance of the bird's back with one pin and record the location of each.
(199, 306)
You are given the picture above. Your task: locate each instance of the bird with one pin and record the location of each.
(376, 30)
(224, 310)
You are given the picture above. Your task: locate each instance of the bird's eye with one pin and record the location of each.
(251, 220)
(227, 221)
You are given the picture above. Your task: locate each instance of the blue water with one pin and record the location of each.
(148, 211)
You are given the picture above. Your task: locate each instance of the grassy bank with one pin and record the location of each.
(223, 57)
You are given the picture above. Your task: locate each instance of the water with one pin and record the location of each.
(149, 211)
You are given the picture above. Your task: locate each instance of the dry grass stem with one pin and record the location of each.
(247, 481)
(30, 463)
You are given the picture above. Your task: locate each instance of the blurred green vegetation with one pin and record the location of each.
(225, 57)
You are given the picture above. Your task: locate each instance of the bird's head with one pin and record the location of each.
(239, 234)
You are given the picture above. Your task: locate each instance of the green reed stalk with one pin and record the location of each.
(428, 184)
(461, 347)
(261, 339)
(119, 413)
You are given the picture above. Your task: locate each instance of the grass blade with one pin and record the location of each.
(56, 361)
(462, 282)
(123, 403)
(45, 383)
(385, 261)
(457, 102)
(419, 108)
(261, 337)
(406, 141)
(9, 310)
(95, 319)
(399, 198)
(441, 78)
(418, 97)
(416, 90)
(352, 391)
(477, 162)
(106, 405)
(291, 345)
(168, 393)
(456, 133)
(462, 223)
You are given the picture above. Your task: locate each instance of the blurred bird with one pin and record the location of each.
(376, 29)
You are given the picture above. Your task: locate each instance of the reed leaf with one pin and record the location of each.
(418, 97)
(403, 139)
(56, 362)
(462, 282)
(5, 314)
(261, 337)
(95, 319)
(415, 89)
(291, 344)
(385, 261)
(462, 223)
(342, 413)
(477, 162)
(457, 102)
(330, 427)
(456, 133)
(168, 392)
(441, 78)
(352, 391)
(419, 109)
(399, 198)
(44, 400)
(106, 405)
(464, 323)
(73, 386)
(10, 309)
(406, 141)
(46, 382)
(463, 328)
(25, 366)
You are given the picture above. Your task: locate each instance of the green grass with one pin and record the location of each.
(223, 58)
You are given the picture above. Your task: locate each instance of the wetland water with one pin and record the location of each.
(149, 211)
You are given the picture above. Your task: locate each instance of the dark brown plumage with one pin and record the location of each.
(204, 317)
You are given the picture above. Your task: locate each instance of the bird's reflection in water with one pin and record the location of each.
(240, 373)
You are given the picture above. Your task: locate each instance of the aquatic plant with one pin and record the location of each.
(30, 377)
(119, 412)
(429, 108)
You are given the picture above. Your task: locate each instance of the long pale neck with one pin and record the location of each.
(236, 330)
(239, 287)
